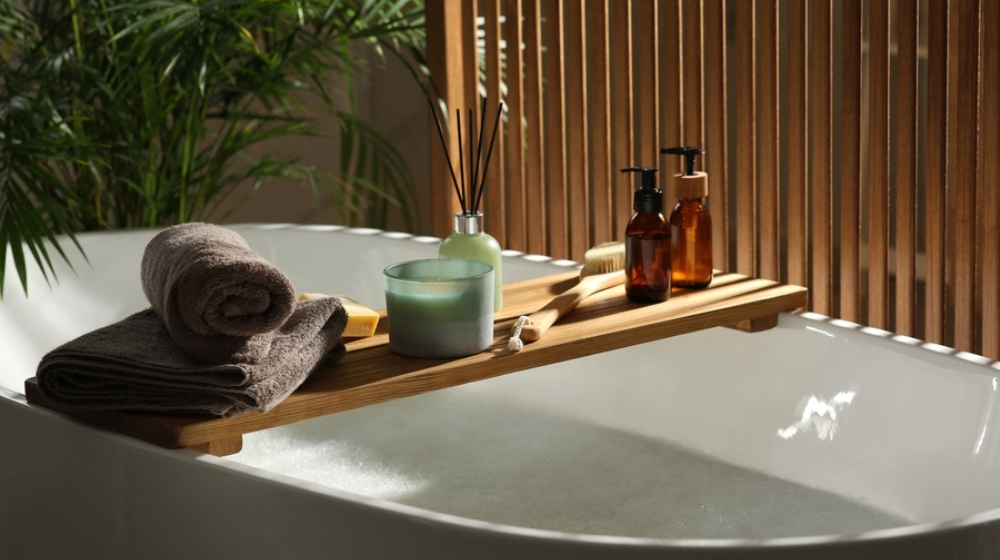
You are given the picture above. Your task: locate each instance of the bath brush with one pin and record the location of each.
(603, 268)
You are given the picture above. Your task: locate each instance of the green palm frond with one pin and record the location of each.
(122, 113)
(371, 165)
(35, 204)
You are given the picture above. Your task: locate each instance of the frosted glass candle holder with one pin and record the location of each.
(439, 308)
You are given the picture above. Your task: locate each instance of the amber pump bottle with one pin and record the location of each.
(647, 242)
(690, 224)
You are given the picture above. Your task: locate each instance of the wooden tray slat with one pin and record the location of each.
(370, 373)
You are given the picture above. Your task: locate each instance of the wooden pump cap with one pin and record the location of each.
(690, 186)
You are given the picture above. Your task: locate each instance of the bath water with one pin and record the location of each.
(496, 462)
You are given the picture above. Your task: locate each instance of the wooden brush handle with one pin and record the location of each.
(541, 320)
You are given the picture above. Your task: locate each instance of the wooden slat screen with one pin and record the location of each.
(851, 146)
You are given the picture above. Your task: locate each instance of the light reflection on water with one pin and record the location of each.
(820, 415)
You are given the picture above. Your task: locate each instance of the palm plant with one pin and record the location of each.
(140, 113)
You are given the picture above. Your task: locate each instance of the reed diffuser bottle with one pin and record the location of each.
(470, 240)
(647, 242)
(690, 224)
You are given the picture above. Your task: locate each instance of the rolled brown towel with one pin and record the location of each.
(221, 302)
(133, 365)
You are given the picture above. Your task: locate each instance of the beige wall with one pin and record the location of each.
(390, 100)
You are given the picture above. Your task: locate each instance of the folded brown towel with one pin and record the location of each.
(134, 365)
(220, 300)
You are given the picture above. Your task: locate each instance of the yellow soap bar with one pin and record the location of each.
(361, 320)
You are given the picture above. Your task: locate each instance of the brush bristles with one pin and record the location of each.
(604, 258)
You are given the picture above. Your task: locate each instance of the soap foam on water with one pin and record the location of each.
(328, 463)
(496, 462)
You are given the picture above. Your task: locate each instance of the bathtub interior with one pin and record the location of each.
(741, 444)
(814, 426)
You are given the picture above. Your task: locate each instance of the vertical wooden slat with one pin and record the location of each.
(878, 169)
(494, 203)
(769, 142)
(648, 102)
(989, 181)
(820, 148)
(746, 138)
(577, 126)
(798, 145)
(954, 37)
(850, 164)
(516, 208)
(599, 88)
(906, 96)
(555, 133)
(446, 24)
(672, 77)
(937, 168)
(470, 61)
(963, 185)
(716, 135)
(692, 60)
(622, 145)
(537, 152)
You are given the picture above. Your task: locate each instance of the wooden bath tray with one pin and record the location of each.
(370, 373)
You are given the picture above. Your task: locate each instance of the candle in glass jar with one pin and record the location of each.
(439, 308)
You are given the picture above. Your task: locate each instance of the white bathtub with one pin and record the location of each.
(817, 439)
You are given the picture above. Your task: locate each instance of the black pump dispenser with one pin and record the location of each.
(688, 153)
(648, 198)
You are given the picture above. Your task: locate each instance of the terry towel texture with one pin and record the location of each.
(224, 335)
(220, 300)
(134, 365)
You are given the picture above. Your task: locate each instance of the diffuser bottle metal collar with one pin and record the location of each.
(469, 222)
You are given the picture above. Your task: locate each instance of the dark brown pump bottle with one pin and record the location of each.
(647, 242)
(690, 224)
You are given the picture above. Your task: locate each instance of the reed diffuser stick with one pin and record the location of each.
(473, 156)
(479, 145)
(447, 156)
(489, 153)
(461, 156)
